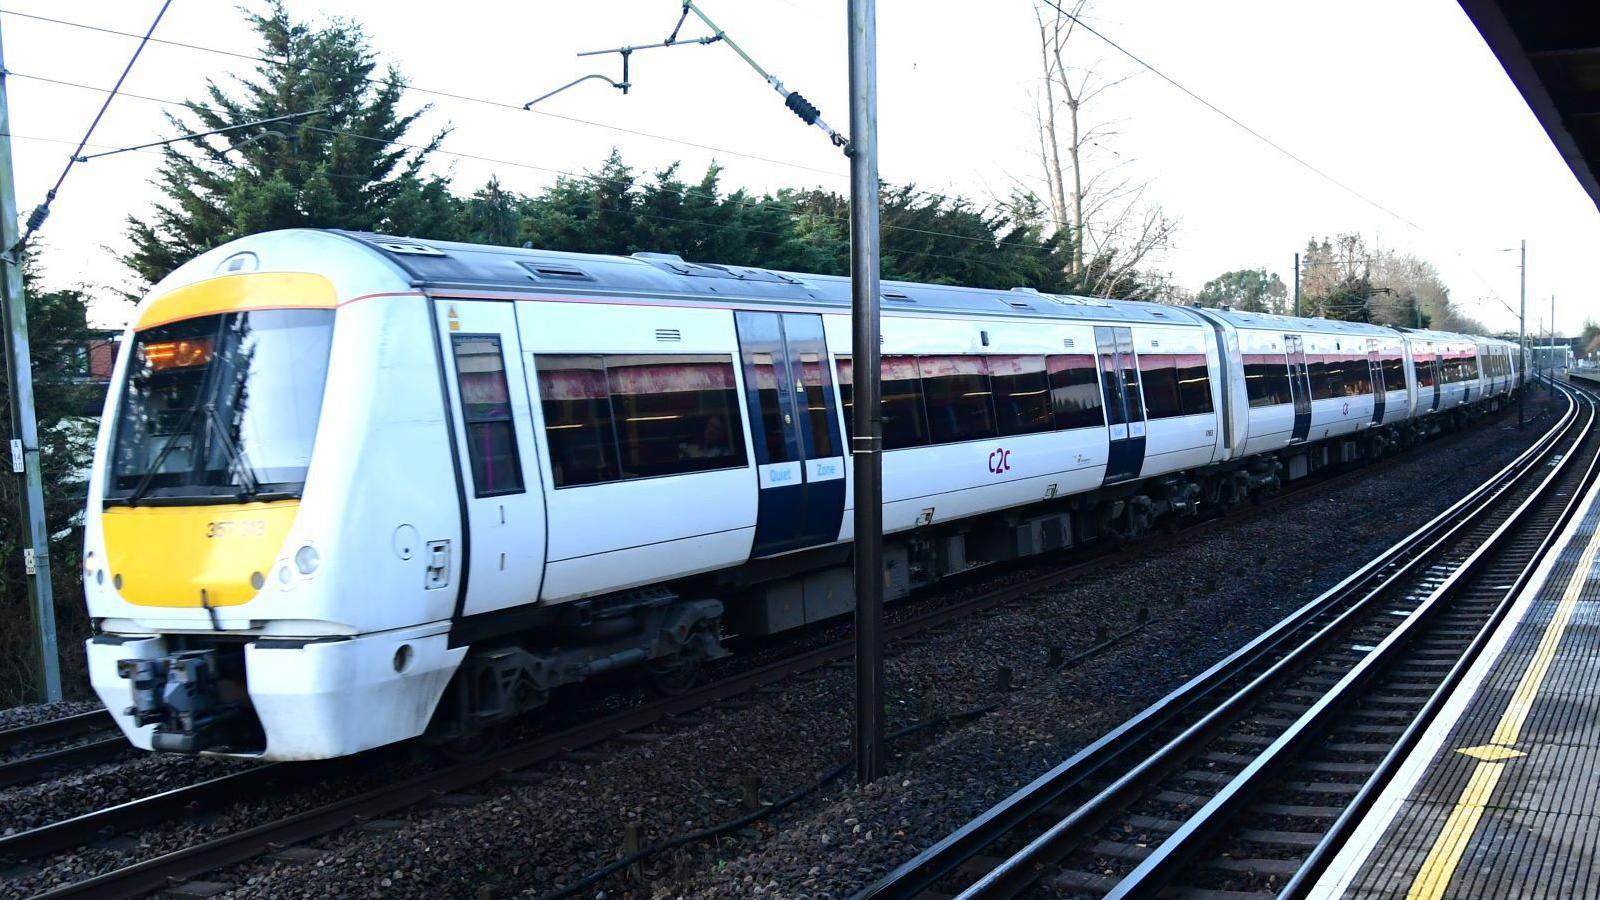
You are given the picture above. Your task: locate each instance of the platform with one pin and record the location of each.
(1501, 797)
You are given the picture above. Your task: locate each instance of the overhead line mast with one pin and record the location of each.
(24, 449)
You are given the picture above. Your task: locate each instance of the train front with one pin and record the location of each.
(224, 620)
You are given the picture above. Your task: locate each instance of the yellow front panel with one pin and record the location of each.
(166, 555)
(230, 293)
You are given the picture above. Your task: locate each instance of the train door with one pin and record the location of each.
(795, 428)
(1433, 366)
(1299, 386)
(1379, 391)
(502, 549)
(1125, 419)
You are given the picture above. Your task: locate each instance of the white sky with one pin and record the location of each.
(1399, 99)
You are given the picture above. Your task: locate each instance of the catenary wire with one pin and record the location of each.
(1264, 139)
(449, 95)
(42, 211)
(453, 95)
(684, 191)
(982, 210)
(1226, 115)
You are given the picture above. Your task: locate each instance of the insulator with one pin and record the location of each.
(37, 217)
(802, 107)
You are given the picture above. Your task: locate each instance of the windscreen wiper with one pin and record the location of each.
(155, 466)
(236, 458)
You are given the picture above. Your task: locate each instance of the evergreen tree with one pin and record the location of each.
(1250, 290)
(64, 406)
(339, 168)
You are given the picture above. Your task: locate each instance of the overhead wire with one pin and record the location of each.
(457, 96)
(1231, 118)
(683, 192)
(468, 98)
(1078, 20)
(41, 212)
(434, 92)
(901, 253)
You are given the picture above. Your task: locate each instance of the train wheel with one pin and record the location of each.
(675, 675)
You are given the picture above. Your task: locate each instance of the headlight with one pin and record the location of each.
(307, 560)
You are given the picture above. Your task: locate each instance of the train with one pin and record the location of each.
(351, 489)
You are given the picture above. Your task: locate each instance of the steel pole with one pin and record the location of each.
(24, 448)
(1522, 336)
(867, 416)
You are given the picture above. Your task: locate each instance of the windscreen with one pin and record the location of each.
(221, 408)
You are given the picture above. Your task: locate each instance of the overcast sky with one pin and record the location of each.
(1400, 101)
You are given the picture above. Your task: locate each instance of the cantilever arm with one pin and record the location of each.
(621, 86)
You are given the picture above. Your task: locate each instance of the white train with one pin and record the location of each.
(352, 488)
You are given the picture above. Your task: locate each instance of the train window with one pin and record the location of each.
(815, 386)
(221, 406)
(1194, 384)
(1116, 413)
(1422, 366)
(1130, 375)
(577, 419)
(960, 405)
(1394, 373)
(1266, 379)
(1159, 372)
(1021, 394)
(675, 414)
(1357, 376)
(1075, 391)
(762, 366)
(1318, 368)
(905, 421)
(486, 409)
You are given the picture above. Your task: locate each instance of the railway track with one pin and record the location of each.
(512, 764)
(34, 764)
(1241, 781)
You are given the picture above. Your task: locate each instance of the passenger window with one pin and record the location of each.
(1422, 365)
(958, 398)
(675, 414)
(1357, 376)
(1116, 412)
(1160, 374)
(615, 417)
(763, 365)
(1394, 373)
(577, 419)
(1266, 379)
(486, 409)
(905, 422)
(1130, 374)
(816, 385)
(1075, 391)
(1194, 384)
(1021, 394)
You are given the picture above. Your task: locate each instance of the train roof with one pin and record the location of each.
(453, 265)
(447, 264)
(1242, 319)
(1428, 334)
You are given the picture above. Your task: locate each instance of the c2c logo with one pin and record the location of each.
(999, 460)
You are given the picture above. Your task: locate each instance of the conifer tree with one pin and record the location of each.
(338, 168)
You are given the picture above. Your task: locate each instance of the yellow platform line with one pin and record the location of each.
(1445, 856)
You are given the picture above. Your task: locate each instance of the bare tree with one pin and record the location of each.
(1104, 212)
